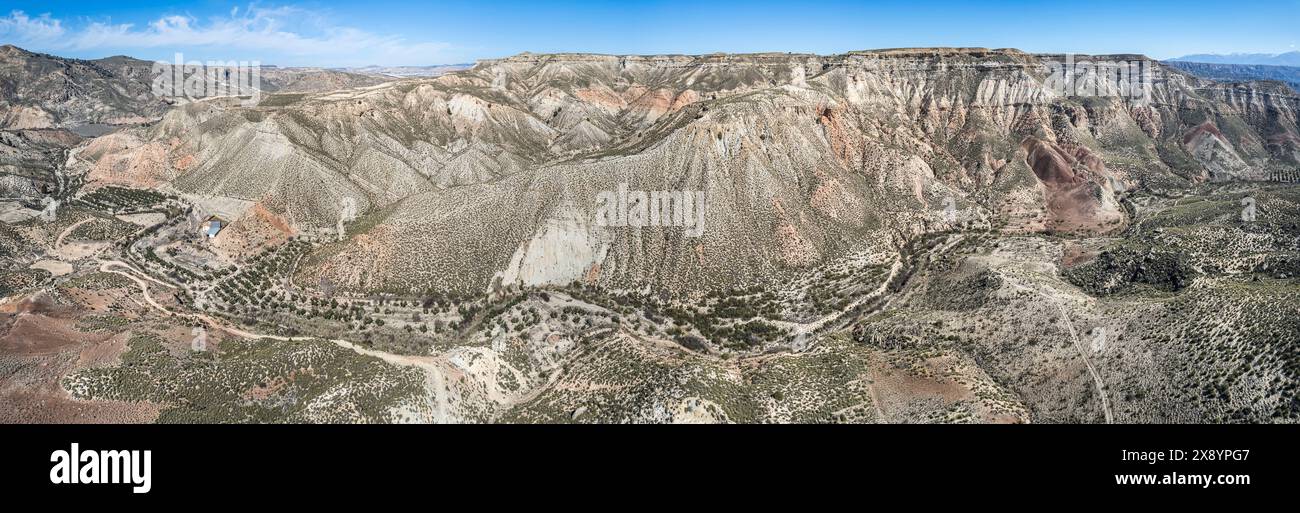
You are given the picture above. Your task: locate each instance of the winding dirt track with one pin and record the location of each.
(803, 329)
(434, 368)
(1074, 336)
(62, 235)
(1096, 376)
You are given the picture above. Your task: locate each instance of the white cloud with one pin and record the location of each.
(22, 28)
(256, 33)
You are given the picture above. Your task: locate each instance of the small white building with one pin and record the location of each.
(212, 226)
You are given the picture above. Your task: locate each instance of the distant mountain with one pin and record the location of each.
(1268, 59)
(503, 161)
(409, 71)
(46, 91)
(1289, 75)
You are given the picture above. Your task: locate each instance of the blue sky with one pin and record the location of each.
(388, 32)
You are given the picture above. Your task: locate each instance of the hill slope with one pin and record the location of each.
(44, 91)
(492, 173)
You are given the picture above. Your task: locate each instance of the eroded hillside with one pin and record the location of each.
(921, 235)
(492, 174)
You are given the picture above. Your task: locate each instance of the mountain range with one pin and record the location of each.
(1289, 75)
(44, 91)
(408, 71)
(1266, 59)
(895, 235)
(804, 157)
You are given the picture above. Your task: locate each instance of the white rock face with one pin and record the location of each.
(500, 79)
(1221, 162)
(563, 250)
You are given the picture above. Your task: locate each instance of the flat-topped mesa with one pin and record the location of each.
(957, 58)
(667, 60)
(942, 51)
(757, 58)
(1083, 57)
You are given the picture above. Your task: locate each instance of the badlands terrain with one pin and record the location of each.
(907, 235)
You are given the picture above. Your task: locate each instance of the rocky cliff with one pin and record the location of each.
(492, 175)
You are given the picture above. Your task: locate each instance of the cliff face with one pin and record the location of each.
(492, 175)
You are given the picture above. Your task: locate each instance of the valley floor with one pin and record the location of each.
(1191, 315)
